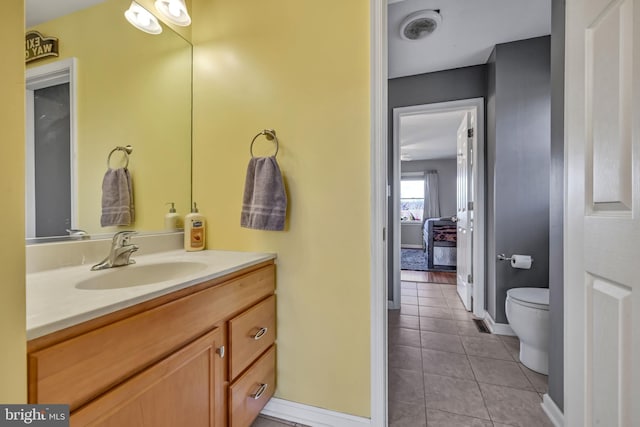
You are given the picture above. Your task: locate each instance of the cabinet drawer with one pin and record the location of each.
(250, 334)
(79, 369)
(249, 394)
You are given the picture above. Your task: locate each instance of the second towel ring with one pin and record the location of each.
(270, 134)
(126, 150)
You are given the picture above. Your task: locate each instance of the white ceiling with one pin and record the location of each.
(467, 34)
(39, 11)
(429, 136)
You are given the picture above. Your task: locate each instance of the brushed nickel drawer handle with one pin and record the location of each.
(258, 394)
(260, 333)
(220, 351)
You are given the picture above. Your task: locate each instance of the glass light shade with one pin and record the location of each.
(175, 11)
(142, 19)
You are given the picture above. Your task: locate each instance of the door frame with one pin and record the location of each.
(51, 74)
(476, 106)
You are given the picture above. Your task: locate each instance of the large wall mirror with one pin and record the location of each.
(127, 87)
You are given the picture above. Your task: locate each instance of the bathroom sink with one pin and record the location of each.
(140, 275)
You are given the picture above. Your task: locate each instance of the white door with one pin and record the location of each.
(602, 223)
(464, 223)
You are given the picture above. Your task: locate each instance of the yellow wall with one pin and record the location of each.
(302, 68)
(133, 88)
(13, 374)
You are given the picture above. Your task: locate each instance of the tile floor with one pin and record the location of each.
(264, 421)
(444, 372)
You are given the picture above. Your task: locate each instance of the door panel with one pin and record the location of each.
(602, 226)
(463, 267)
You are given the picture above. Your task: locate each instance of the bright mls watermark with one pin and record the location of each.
(34, 415)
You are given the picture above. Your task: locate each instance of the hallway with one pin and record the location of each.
(444, 372)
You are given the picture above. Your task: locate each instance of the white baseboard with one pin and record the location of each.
(553, 412)
(498, 328)
(407, 246)
(310, 415)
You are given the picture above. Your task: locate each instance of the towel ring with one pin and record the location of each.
(126, 150)
(270, 134)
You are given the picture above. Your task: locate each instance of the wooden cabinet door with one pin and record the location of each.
(184, 389)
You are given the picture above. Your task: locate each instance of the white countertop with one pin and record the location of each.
(54, 302)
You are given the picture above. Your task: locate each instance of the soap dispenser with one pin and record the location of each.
(171, 219)
(194, 231)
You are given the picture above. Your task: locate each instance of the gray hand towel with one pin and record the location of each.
(117, 198)
(264, 204)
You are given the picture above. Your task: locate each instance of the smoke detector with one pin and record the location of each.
(419, 25)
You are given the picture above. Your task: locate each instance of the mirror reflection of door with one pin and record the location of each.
(49, 153)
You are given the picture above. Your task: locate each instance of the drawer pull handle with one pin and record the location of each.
(260, 333)
(258, 394)
(220, 351)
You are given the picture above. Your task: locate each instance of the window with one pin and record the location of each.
(411, 199)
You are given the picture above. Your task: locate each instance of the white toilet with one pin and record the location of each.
(528, 315)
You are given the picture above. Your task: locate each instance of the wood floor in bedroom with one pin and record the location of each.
(448, 278)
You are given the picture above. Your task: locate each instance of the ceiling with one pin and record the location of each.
(466, 36)
(429, 136)
(39, 11)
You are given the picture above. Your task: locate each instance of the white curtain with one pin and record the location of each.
(431, 196)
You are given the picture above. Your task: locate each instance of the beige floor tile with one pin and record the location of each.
(404, 336)
(455, 303)
(428, 286)
(514, 407)
(449, 291)
(262, 421)
(405, 357)
(408, 285)
(538, 381)
(439, 312)
(454, 395)
(434, 324)
(442, 342)
(430, 293)
(499, 372)
(437, 418)
(404, 321)
(486, 346)
(512, 344)
(461, 314)
(403, 414)
(409, 292)
(432, 302)
(405, 386)
(446, 364)
(468, 328)
(410, 310)
(407, 299)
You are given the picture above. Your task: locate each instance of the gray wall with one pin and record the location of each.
(556, 207)
(449, 85)
(518, 146)
(447, 174)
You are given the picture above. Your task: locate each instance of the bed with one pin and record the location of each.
(439, 242)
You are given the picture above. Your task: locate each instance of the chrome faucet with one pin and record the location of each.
(121, 250)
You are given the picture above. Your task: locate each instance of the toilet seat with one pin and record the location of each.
(537, 298)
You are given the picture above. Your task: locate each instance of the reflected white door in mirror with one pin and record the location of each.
(51, 167)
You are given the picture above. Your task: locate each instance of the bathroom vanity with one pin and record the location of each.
(198, 350)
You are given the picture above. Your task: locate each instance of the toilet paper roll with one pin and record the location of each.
(521, 261)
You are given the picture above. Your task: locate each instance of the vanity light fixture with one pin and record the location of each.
(175, 11)
(142, 19)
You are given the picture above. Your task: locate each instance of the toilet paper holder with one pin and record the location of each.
(503, 257)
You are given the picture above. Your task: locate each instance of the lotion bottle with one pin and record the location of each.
(171, 219)
(194, 231)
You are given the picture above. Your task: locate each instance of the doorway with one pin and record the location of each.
(464, 209)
